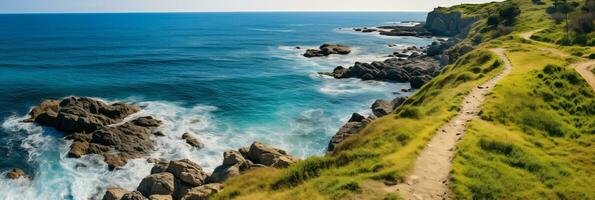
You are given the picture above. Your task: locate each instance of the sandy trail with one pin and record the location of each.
(429, 176)
(584, 69)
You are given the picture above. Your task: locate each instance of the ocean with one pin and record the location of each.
(230, 78)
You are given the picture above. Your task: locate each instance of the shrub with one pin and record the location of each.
(409, 113)
(495, 146)
(509, 12)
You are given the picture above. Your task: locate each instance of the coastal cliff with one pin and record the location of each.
(444, 22)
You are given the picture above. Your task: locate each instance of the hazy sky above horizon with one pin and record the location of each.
(27, 6)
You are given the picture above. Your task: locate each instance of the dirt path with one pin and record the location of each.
(527, 35)
(584, 69)
(428, 179)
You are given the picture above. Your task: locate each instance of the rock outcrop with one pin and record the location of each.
(192, 141)
(188, 172)
(415, 31)
(96, 128)
(442, 22)
(79, 114)
(157, 184)
(114, 194)
(358, 122)
(393, 69)
(202, 192)
(328, 49)
(257, 155)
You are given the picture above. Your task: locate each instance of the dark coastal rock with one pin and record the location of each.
(90, 124)
(17, 173)
(79, 114)
(116, 143)
(160, 184)
(187, 171)
(390, 70)
(383, 107)
(356, 117)
(358, 122)
(192, 141)
(114, 194)
(328, 49)
(418, 81)
(442, 22)
(202, 192)
(416, 31)
(256, 156)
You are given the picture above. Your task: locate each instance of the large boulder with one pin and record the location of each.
(202, 192)
(192, 141)
(383, 107)
(269, 156)
(114, 193)
(80, 114)
(328, 49)
(117, 144)
(257, 155)
(159, 184)
(135, 195)
(187, 171)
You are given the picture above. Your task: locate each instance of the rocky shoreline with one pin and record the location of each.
(95, 127)
(416, 65)
(186, 180)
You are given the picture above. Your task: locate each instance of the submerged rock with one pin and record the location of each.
(17, 173)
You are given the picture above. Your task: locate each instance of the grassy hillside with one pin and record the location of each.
(533, 140)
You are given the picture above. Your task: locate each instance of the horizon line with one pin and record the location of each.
(215, 11)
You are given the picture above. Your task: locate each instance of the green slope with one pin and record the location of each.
(533, 141)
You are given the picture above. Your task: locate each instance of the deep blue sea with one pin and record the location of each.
(231, 78)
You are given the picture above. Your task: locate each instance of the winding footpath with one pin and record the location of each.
(583, 68)
(429, 177)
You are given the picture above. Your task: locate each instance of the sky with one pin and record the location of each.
(59, 6)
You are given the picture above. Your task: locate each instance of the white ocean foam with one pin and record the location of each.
(59, 177)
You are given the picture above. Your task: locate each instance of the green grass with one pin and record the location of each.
(534, 138)
(384, 151)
